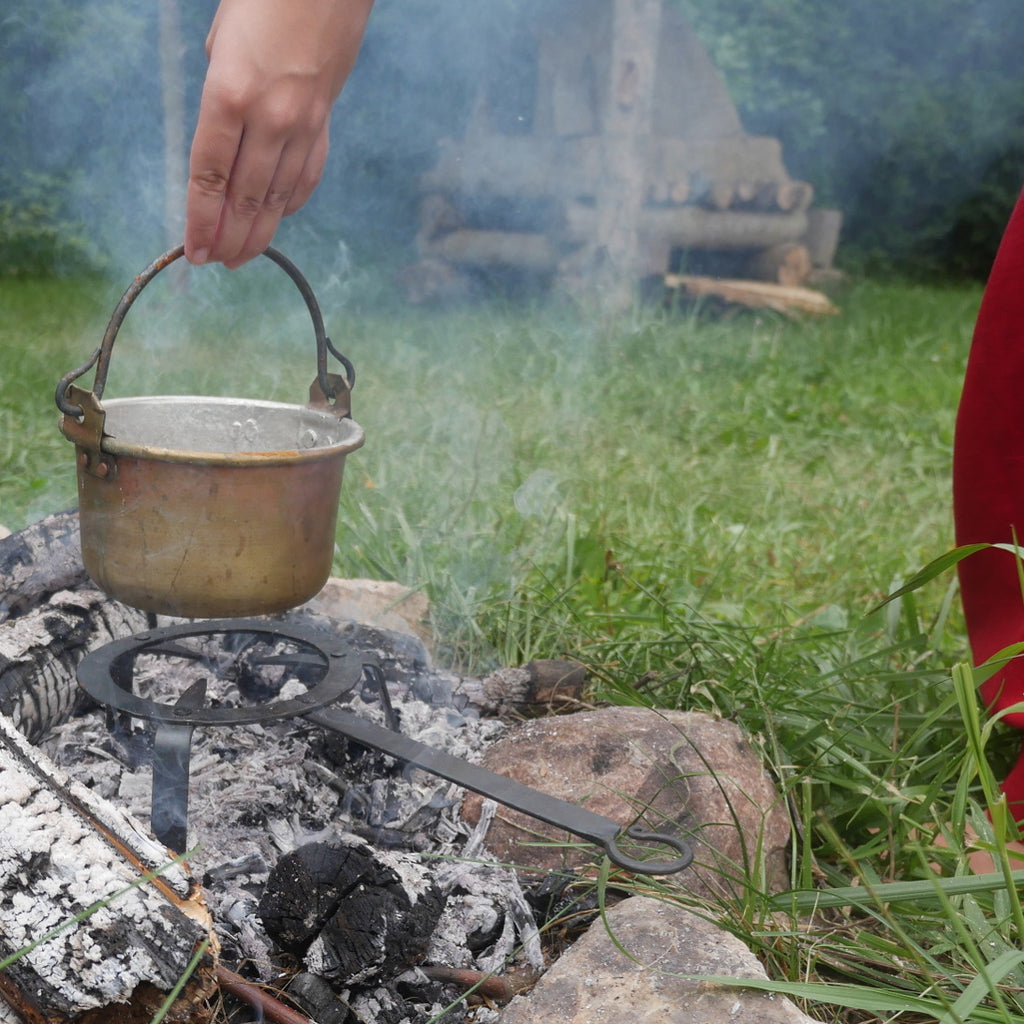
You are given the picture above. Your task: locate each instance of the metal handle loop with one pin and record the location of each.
(329, 384)
(649, 867)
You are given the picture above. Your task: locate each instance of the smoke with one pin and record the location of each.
(899, 114)
(84, 110)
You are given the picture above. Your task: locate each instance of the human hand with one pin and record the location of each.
(261, 140)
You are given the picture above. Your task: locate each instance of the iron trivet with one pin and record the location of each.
(330, 669)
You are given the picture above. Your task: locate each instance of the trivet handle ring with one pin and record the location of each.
(649, 867)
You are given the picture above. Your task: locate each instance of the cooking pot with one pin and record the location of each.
(209, 507)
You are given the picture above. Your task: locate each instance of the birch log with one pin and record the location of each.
(73, 873)
(50, 618)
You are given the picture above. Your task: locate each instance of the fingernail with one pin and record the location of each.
(200, 256)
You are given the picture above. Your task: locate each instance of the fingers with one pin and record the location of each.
(248, 224)
(213, 156)
(241, 187)
(276, 68)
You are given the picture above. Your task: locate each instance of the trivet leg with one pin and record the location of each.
(172, 748)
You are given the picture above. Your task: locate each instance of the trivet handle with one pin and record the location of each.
(329, 389)
(605, 832)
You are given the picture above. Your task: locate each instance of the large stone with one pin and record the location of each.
(688, 774)
(383, 604)
(660, 982)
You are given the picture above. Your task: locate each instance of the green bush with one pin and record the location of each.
(37, 238)
(907, 116)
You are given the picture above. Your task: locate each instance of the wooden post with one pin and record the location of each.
(172, 94)
(615, 257)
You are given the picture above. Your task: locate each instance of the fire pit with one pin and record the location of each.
(269, 658)
(188, 511)
(174, 492)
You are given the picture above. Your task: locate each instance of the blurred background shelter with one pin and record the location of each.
(619, 155)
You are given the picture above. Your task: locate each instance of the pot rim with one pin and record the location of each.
(353, 438)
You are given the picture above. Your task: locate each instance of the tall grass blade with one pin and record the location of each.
(934, 568)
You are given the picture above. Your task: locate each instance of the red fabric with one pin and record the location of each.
(988, 480)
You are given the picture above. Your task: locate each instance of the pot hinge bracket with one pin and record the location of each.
(339, 404)
(86, 432)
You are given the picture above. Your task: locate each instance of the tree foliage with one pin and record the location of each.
(908, 116)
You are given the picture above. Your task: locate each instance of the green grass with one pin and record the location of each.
(705, 512)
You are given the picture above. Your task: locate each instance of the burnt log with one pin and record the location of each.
(62, 618)
(536, 688)
(96, 923)
(40, 650)
(40, 560)
(50, 618)
(354, 913)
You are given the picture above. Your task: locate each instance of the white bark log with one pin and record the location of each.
(63, 850)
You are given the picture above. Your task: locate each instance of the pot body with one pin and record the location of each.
(238, 520)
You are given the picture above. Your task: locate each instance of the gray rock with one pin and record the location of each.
(594, 982)
(684, 773)
(380, 603)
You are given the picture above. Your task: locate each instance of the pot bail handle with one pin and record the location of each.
(329, 389)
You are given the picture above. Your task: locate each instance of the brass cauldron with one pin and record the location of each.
(205, 507)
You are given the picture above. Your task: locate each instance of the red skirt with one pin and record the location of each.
(988, 483)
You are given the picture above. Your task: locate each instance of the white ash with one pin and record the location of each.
(484, 897)
(259, 791)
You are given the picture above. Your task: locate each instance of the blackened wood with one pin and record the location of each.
(50, 617)
(355, 913)
(40, 651)
(539, 687)
(267, 1006)
(40, 560)
(318, 999)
